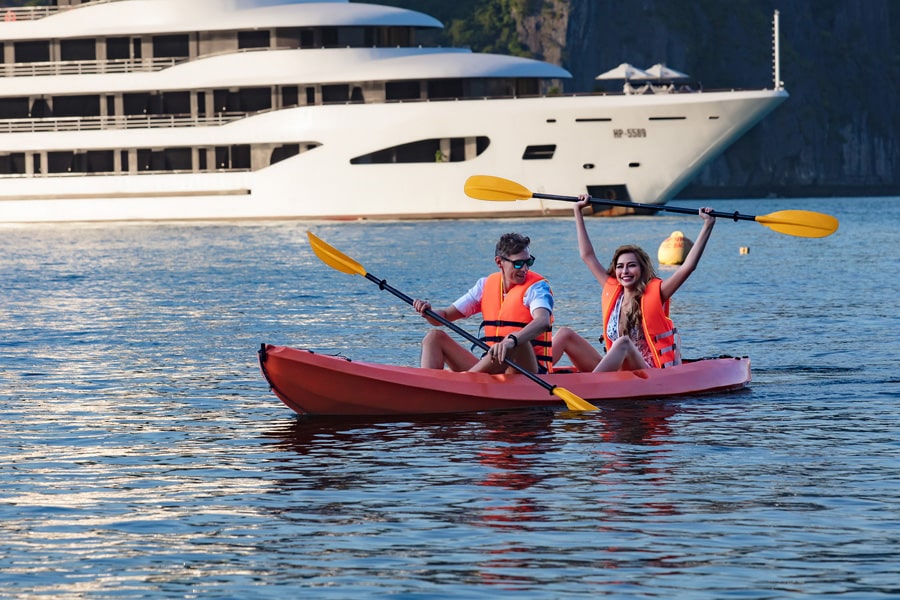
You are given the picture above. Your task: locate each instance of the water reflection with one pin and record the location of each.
(516, 459)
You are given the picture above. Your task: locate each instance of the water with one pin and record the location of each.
(142, 455)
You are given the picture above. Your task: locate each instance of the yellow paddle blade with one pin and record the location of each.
(801, 223)
(488, 187)
(572, 401)
(333, 257)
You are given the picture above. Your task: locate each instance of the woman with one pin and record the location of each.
(637, 330)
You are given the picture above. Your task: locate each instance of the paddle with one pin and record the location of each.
(800, 223)
(335, 259)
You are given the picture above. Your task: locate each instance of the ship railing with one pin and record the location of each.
(211, 171)
(33, 13)
(88, 67)
(53, 124)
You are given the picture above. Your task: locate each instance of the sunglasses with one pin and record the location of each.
(518, 264)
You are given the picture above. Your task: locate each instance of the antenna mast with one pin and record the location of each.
(776, 54)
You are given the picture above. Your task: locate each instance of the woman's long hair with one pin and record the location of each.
(647, 273)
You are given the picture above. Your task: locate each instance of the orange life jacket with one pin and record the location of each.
(503, 316)
(659, 331)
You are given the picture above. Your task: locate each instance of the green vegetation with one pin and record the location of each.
(482, 25)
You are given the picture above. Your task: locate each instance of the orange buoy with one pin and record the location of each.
(674, 249)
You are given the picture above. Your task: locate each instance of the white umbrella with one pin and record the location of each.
(624, 71)
(661, 72)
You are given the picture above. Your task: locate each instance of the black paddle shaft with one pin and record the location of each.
(675, 209)
(383, 284)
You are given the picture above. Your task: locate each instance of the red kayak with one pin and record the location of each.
(320, 384)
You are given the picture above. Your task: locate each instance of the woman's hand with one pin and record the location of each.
(583, 200)
(704, 214)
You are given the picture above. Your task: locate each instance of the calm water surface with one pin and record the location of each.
(142, 455)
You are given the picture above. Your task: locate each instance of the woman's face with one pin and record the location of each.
(628, 269)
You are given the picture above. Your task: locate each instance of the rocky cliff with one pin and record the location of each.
(840, 61)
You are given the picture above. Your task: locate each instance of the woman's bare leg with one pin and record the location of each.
(623, 355)
(566, 342)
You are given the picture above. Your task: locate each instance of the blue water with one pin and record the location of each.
(142, 455)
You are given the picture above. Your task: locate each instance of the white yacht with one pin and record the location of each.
(117, 110)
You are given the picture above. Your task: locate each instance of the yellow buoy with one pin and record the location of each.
(745, 250)
(674, 249)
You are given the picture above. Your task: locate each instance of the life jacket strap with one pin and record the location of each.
(665, 334)
(674, 347)
(502, 324)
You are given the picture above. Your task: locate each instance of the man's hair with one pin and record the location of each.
(511, 243)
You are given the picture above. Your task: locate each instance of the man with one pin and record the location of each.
(517, 310)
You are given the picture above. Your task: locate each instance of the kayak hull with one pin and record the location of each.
(318, 384)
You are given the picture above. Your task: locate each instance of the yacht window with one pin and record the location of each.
(158, 160)
(543, 152)
(353, 37)
(307, 38)
(201, 104)
(118, 48)
(26, 52)
(402, 90)
(539, 152)
(170, 46)
(527, 87)
(227, 101)
(223, 160)
(59, 162)
(79, 163)
(445, 88)
(290, 95)
(13, 108)
(178, 159)
(100, 161)
(254, 99)
(282, 152)
(12, 164)
(424, 151)
(329, 37)
(610, 192)
(136, 104)
(397, 36)
(240, 156)
(176, 103)
(76, 106)
(143, 159)
(253, 39)
(335, 94)
(83, 49)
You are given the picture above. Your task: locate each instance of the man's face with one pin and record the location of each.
(511, 275)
